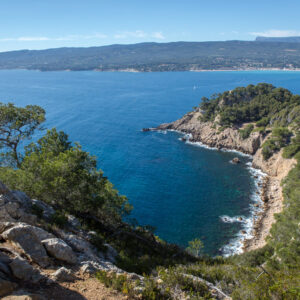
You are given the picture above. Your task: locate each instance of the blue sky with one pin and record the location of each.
(41, 24)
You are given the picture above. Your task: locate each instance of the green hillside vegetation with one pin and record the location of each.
(61, 173)
(146, 57)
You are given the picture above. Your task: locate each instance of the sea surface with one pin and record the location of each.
(183, 190)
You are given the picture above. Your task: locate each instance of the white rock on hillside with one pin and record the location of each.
(60, 250)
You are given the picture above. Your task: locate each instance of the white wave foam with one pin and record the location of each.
(162, 131)
(237, 152)
(235, 245)
(199, 144)
(227, 219)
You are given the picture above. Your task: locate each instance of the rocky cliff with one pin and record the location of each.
(208, 134)
(275, 167)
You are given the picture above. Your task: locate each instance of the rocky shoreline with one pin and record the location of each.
(276, 168)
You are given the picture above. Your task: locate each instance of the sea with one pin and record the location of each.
(183, 190)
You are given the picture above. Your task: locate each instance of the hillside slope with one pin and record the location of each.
(144, 57)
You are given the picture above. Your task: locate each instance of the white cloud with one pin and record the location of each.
(139, 34)
(25, 38)
(276, 33)
(130, 34)
(62, 38)
(158, 35)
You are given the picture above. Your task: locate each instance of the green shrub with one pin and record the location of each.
(38, 211)
(280, 137)
(261, 130)
(292, 149)
(245, 133)
(263, 122)
(59, 219)
(118, 282)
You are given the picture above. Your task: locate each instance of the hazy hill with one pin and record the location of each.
(177, 56)
(289, 39)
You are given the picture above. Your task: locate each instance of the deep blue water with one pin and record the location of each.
(180, 189)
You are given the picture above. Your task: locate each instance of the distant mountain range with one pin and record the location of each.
(176, 56)
(289, 39)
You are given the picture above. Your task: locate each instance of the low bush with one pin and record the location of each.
(245, 133)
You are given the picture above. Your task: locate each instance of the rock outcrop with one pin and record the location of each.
(208, 134)
(31, 255)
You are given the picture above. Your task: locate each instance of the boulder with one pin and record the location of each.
(27, 218)
(6, 225)
(22, 199)
(29, 238)
(12, 209)
(235, 160)
(5, 216)
(47, 210)
(74, 222)
(60, 250)
(22, 270)
(77, 243)
(63, 274)
(6, 287)
(88, 268)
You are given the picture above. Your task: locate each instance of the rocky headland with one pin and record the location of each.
(276, 168)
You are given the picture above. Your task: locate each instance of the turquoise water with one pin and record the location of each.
(180, 189)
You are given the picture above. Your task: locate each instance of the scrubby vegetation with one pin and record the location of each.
(279, 138)
(245, 133)
(263, 104)
(62, 174)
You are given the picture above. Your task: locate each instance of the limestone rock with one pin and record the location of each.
(27, 218)
(22, 199)
(6, 225)
(87, 268)
(47, 210)
(29, 238)
(5, 216)
(22, 270)
(12, 209)
(206, 133)
(63, 274)
(60, 250)
(74, 222)
(235, 160)
(76, 242)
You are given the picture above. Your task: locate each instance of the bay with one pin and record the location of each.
(181, 190)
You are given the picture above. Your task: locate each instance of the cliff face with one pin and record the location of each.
(205, 133)
(275, 167)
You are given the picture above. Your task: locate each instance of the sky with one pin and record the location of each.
(42, 24)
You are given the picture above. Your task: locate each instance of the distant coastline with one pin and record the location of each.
(133, 70)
